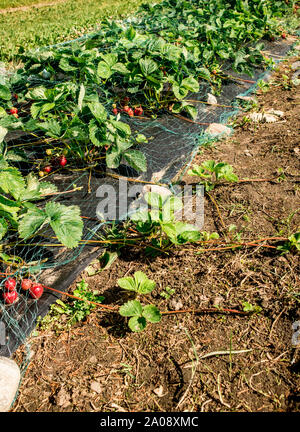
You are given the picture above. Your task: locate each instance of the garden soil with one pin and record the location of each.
(196, 362)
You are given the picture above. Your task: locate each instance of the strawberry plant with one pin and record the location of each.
(18, 211)
(159, 222)
(138, 315)
(211, 172)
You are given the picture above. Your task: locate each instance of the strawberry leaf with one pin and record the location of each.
(65, 222)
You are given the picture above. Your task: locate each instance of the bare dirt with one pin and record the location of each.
(197, 362)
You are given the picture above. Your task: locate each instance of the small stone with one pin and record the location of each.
(247, 98)
(63, 398)
(218, 129)
(96, 387)
(295, 66)
(159, 391)
(218, 301)
(9, 382)
(175, 304)
(297, 151)
(211, 99)
(93, 359)
(204, 300)
(248, 153)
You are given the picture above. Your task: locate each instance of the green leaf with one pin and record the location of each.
(130, 33)
(65, 222)
(32, 190)
(151, 313)
(3, 132)
(38, 93)
(104, 70)
(148, 66)
(179, 91)
(47, 188)
(11, 181)
(65, 65)
(191, 110)
(98, 111)
(107, 259)
(136, 159)
(113, 157)
(81, 96)
(110, 59)
(190, 84)
(137, 324)
(4, 93)
(95, 134)
(16, 155)
(2, 112)
(3, 227)
(51, 127)
(31, 222)
(154, 199)
(121, 69)
(131, 308)
(9, 208)
(127, 283)
(142, 283)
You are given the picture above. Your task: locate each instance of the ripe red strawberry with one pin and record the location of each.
(138, 111)
(13, 110)
(283, 35)
(26, 284)
(214, 72)
(10, 284)
(48, 169)
(36, 290)
(10, 297)
(126, 108)
(115, 111)
(63, 161)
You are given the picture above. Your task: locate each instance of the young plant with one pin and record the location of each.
(65, 314)
(157, 221)
(292, 245)
(139, 315)
(212, 172)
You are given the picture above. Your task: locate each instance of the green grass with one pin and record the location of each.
(50, 25)
(5, 4)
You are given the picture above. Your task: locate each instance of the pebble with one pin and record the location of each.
(295, 66)
(9, 382)
(218, 129)
(175, 304)
(96, 387)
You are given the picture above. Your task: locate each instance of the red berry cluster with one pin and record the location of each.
(137, 111)
(56, 161)
(11, 295)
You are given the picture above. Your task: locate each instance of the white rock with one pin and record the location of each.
(96, 387)
(211, 99)
(159, 391)
(218, 129)
(9, 382)
(247, 98)
(295, 66)
(270, 116)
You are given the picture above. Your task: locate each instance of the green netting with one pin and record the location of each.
(166, 59)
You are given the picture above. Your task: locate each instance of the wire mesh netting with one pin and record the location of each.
(64, 97)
